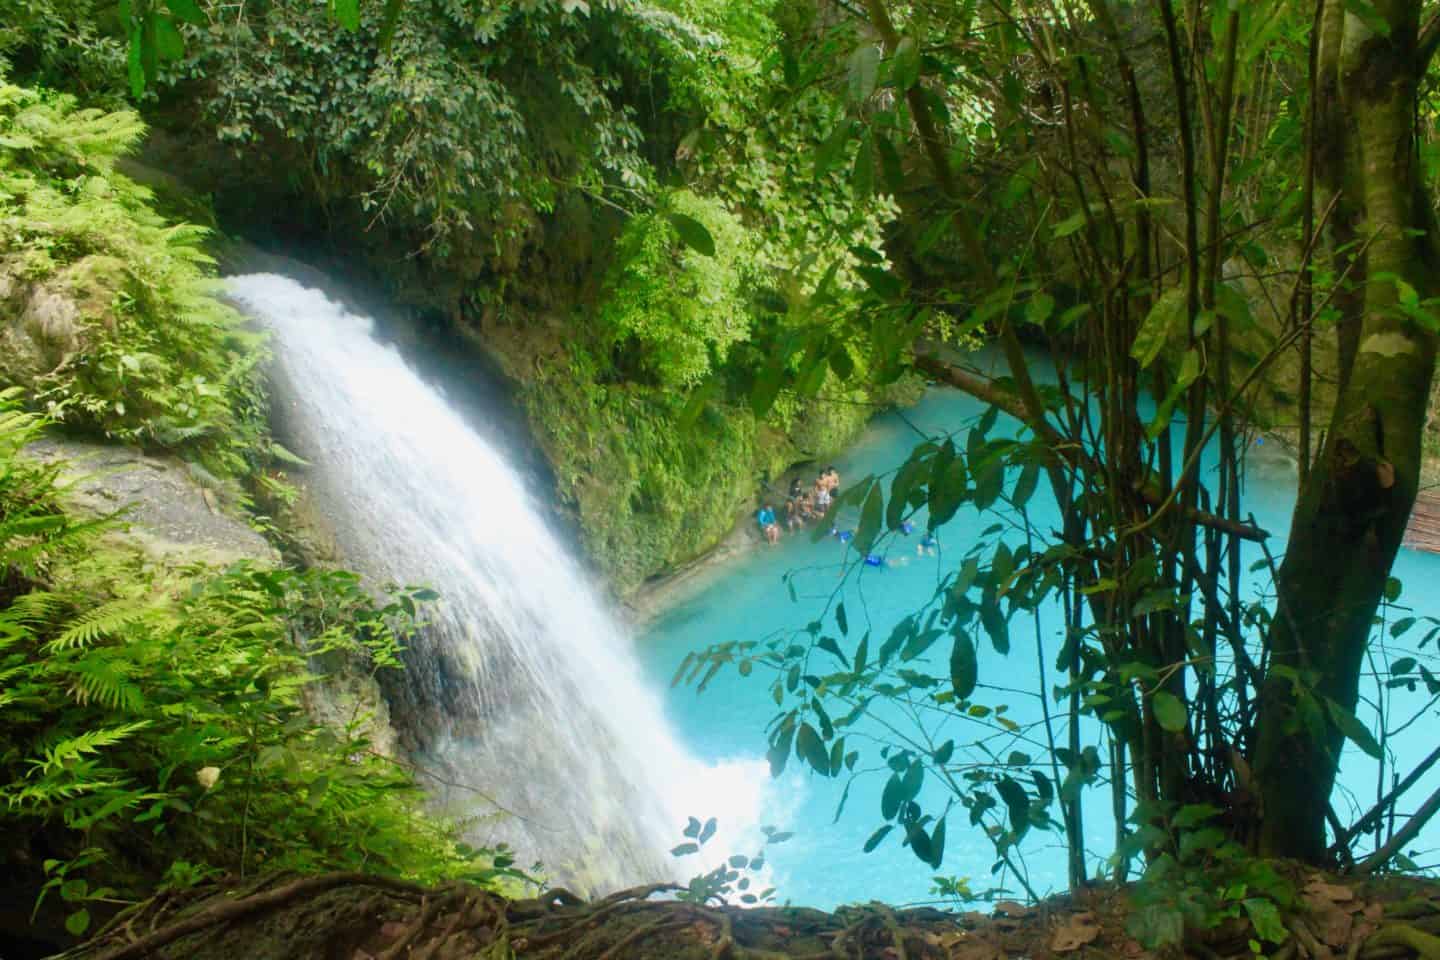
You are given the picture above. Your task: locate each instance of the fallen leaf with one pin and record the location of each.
(1334, 892)
(1012, 909)
(1075, 932)
(976, 948)
(1375, 912)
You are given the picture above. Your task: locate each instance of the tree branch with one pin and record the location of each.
(1429, 42)
(1413, 826)
(928, 359)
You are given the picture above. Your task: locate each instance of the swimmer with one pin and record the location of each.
(765, 517)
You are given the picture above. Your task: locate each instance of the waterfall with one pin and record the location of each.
(521, 684)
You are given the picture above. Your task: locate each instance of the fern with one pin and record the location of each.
(106, 679)
(91, 741)
(164, 361)
(102, 621)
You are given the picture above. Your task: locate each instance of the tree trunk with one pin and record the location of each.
(1350, 518)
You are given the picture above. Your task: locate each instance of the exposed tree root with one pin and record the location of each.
(348, 916)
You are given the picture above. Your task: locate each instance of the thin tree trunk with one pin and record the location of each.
(1351, 516)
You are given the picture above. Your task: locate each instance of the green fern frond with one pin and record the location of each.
(90, 742)
(102, 621)
(105, 679)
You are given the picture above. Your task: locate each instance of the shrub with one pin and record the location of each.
(108, 314)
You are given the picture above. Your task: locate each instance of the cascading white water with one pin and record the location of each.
(522, 685)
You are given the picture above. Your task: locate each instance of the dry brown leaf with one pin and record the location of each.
(1334, 892)
(1131, 948)
(1012, 909)
(1076, 931)
(1375, 912)
(976, 948)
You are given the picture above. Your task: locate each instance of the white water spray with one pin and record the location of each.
(523, 685)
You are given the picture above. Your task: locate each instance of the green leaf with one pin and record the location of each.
(841, 620)
(1165, 316)
(347, 12)
(187, 11)
(779, 752)
(905, 64)
(912, 781)
(829, 645)
(841, 362)
(1354, 730)
(864, 71)
(964, 667)
(994, 622)
(684, 849)
(390, 19)
(900, 487)
(877, 836)
(809, 746)
(890, 166)
(1025, 486)
(1039, 308)
(829, 151)
(708, 831)
(1169, 711)
(891, 797)
(1017, 801)
(862, 173)
(1157, 925)
(78, 922)
(168, 43)
(861, 653)
(1194, 814)
(871, 515)
(693, 233)
(1266, 918)
(1070, 225)
(767, 386)
(937, 845)
(135, 64)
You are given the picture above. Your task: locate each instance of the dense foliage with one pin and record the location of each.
(1123, 185)
(117, 330)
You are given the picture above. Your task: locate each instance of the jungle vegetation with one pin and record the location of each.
(762, 222)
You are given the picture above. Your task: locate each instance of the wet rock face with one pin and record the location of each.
(170, 514)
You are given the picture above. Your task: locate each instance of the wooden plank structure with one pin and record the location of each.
(1423, 531)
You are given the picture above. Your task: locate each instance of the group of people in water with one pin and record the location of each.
(802, 505)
